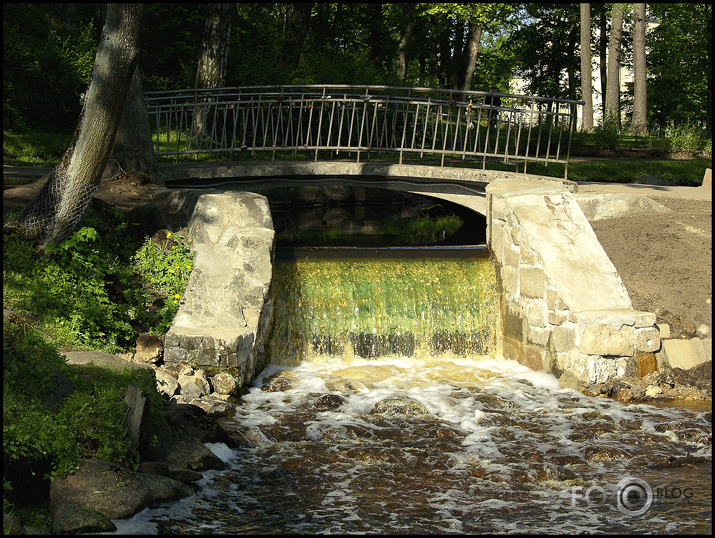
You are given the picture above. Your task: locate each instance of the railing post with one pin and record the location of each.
(268, 116)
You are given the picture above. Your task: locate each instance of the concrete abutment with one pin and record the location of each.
(565, 310)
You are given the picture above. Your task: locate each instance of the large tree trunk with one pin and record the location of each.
(213, 58)
(455, 71)
(297, 25)
(433, 46)
(640, 100)
(374, 24)
(613, 86)
(708, 12)
(133, 150)
(475, 36)
(409, 27)
(603, 47)
(57, 209)
(586, 87)
(571, 57)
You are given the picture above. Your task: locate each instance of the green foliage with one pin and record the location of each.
(165, 266)
(685, 139)
(35, 146)
(680, 63)
(39, 443)
(605, 135)
(83, 291)
(46, 64)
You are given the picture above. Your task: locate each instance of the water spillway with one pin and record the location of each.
(384, 303)
(388, 408)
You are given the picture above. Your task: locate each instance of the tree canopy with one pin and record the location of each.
(48, 51)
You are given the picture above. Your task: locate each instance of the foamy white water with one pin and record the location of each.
(448, 445)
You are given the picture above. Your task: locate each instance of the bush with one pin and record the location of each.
(82, 292)
(165, 266)
(605, 135)
(39, 443)
(684, 139)
(708, 148)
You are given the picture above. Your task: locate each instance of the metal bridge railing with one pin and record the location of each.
(363, 120)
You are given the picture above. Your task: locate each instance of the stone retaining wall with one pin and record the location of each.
(226, 310)
(565, 309)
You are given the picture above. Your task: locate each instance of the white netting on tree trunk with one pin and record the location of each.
(56, 210)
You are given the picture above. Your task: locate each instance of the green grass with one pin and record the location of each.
(685, 172)
(34, 147)
(96, 291)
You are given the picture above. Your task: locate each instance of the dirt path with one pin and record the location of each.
(665, 261)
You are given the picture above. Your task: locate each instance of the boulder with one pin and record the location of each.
(149, 349)
(111, 490)
(172, 471)
(166, 383)
(400, 407)
(224, 383)
(70, 518)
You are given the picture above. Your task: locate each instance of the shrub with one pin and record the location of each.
(684, 139)
(165, 266)
(40, 443)
(605, 135)
(83, 292)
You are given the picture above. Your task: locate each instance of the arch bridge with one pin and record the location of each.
(331, 122)
(564, 308)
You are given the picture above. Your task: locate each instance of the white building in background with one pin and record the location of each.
(625, 75)
(517, 85)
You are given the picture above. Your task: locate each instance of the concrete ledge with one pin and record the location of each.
(268, 169)
(226, 307)
(597, 206)
(686, 353)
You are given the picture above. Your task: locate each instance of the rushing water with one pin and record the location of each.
(433, 436)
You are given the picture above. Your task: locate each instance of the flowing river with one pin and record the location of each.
(391, 411)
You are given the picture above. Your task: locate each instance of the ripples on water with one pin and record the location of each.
(449, 445)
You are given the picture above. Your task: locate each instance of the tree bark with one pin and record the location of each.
(375, 32)
(455, 70)
(213, 59)
(133, 150)
(475, 36)
(297, 25)
(603, 47)
(432, 64)
(586, 86)
(709, 94)
(57, 209)
(409, 28)
(639, 124)
(613, 86)
(571, 54)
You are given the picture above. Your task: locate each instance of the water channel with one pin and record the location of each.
(388, 409)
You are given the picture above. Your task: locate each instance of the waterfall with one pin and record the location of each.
(385, 304)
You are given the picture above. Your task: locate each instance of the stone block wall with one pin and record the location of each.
(564, 308)
(226, 310)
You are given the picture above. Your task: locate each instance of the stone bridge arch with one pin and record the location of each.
(564, 308)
